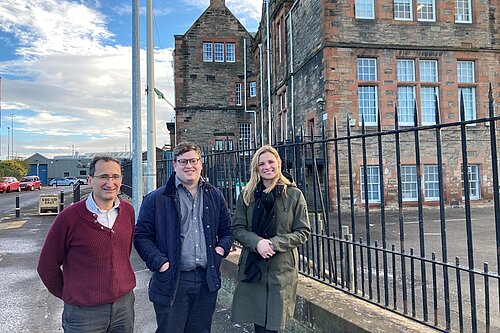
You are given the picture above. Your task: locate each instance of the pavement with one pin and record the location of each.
(25, 303)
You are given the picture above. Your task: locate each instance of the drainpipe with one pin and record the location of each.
(292, 95)
(245, 87)
(268, 75)
(261, 98)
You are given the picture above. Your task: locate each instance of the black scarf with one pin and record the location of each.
(264, 225)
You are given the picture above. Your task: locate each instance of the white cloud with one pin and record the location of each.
(51, 26)
(70, 85)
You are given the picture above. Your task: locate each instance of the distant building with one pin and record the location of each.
(358, 58)
(211, 94)
(65, 166)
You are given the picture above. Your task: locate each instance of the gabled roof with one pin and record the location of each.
(212, 7)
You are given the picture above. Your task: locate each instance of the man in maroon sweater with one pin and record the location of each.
(85, 260)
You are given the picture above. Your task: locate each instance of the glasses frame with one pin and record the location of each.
(105, 178)
(192, 161)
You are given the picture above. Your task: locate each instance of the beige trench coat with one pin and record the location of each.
(270, 302)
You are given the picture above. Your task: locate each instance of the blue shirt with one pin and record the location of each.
(194, 248)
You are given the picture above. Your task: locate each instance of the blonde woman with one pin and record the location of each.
(270, 222)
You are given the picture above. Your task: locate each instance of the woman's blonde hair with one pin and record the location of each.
(249, 189)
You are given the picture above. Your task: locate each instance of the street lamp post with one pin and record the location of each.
(12, 133)
(8, 142)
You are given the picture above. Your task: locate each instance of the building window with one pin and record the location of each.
(367, 105)
(431, 182)
(279, 41)
(405, 70)
(219, 52)
(367, 94)
(372, 173)
(409, 182)
(283, 125)
(407, 94)
(426, 10)
(465, 71)
(367, 69)
(403, 10)
(474, 189)
(253, 89)
(364, 9)
(428, 104)
(406, 105)
(238, 94)
(463, 11)
(207, 52)
(245, 136)
(283, 117)
(428, 71)
(223, 145)
(230, 52)
(465, 76)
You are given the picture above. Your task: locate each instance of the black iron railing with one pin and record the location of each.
(389, 206)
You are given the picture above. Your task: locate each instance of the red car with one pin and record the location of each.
(31, 183)
(8, 184)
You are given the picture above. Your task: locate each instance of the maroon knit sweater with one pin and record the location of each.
(95, 260)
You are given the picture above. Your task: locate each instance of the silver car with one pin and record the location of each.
(62, 182)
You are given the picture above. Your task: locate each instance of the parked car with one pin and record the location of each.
(83, 181)
(8, 184)
(31, 183)
(74, 180)
(62, 182)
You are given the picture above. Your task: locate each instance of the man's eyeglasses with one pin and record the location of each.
(104, 178)
(184, 162)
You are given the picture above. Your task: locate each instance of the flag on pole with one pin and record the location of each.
(160, 94)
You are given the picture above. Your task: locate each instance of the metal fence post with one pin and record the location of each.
(76, 192)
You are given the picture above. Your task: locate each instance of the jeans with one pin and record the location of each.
(116, 317)
(193, 307)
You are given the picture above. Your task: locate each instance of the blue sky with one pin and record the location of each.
(66, 70)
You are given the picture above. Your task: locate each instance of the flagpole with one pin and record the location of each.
(151, 137)
(0, 116)
(137, 174)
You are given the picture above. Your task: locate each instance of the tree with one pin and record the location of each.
(14, 168)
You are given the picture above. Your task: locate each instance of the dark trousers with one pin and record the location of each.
(260, 329)
(193, 307)
(116, 317)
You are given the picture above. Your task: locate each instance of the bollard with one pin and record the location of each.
(61, 202)
(18, 209)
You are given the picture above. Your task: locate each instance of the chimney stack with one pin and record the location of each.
(217, 3)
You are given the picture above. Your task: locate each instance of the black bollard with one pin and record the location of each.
(61, 202)
(18, 209)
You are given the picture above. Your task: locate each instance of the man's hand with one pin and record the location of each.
(164, 267)
(220, 251)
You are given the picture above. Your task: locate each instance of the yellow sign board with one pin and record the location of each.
(48, 204)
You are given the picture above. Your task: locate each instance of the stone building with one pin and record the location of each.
(215, 88)
(329, 60)
(333, 59)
